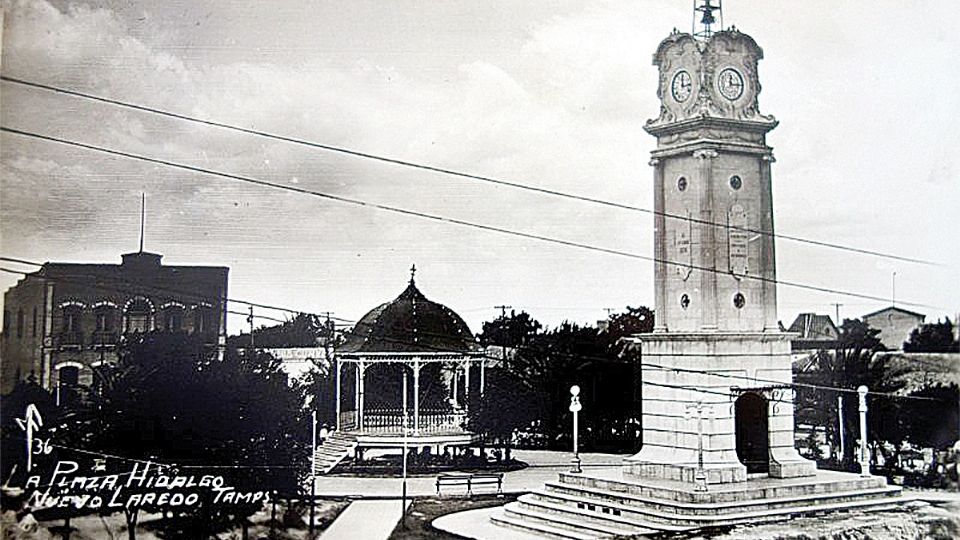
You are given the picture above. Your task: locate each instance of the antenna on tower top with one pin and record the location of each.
(707, 18)
(143, 213)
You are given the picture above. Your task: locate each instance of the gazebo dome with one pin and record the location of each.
(410, 324)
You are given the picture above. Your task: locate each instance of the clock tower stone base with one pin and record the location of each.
(717, 405)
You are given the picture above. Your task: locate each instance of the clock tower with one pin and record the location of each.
(717, 379)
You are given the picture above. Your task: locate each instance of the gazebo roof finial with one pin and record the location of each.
(413, 271)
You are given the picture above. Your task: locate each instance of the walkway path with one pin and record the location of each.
(544, 466)
(371, 519)
(377, 512)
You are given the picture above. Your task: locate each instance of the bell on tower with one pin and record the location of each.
(707, 19)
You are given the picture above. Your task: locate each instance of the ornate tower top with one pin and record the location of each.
(711, 84)
(707, 18)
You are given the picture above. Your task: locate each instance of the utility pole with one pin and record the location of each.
(836, 306)
(143, 212)
(250, 320)
(893, 292)
(503, 332)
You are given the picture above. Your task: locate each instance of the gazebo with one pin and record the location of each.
(404, 338)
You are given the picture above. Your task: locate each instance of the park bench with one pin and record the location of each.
(471, 481)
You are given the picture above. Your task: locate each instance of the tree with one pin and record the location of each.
(934, 337)
(850, 365)
(636, 320)
(508, 405)
(304, 330)
(172, 400)
(512, 331)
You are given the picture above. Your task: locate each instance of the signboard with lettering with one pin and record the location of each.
(738, 241)
(684, 247)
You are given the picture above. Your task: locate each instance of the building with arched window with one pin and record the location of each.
(63, 322)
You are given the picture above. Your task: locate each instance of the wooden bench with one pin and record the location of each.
(471, 481)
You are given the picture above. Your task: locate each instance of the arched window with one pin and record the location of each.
(173, 319)
(72, 329)
(68, 384)
(202, 320)
(69, 376)
(138, 315)
(105, 318)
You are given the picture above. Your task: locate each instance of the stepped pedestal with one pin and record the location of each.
(611, 503)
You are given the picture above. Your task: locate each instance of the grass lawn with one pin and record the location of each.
(424, 510)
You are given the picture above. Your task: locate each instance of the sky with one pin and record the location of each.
(550, 94)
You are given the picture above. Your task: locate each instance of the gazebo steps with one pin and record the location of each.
(333, 450)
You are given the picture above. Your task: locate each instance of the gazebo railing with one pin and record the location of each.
(391, 421)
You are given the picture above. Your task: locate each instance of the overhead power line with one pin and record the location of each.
(452, 172)
(434, 217)
(580, 357)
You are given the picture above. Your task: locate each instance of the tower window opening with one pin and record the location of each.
(684, 301)
(682, 183)
(736, 182)
(739, 300)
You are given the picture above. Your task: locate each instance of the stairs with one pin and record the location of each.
(578, 507)
(333, 450)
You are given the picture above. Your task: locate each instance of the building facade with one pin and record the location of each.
(64, 321)
(814, 332)
(895, 325)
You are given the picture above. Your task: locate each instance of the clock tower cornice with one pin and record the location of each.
(724, 134)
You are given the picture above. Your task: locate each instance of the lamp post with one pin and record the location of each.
(700, 476)
(403, 496)
(313, 470)
(864, 453)
(575, 409)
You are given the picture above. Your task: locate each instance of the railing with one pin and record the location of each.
(348, 420)
(103, 337)
(70, 339)
(391, 421)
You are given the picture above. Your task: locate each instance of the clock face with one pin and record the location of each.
(730, 84)
(681, 86)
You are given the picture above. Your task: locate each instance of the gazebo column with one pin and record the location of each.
(466, 383)
(336, 365)
(483, 364)
(361, 371)
(456, 386)
(416, 396)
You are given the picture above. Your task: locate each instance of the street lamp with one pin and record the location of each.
(313, 469)
(575, 409)
(864, 455)
(700, 477)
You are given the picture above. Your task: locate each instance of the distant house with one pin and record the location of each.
(815, 332)
(895, 325)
